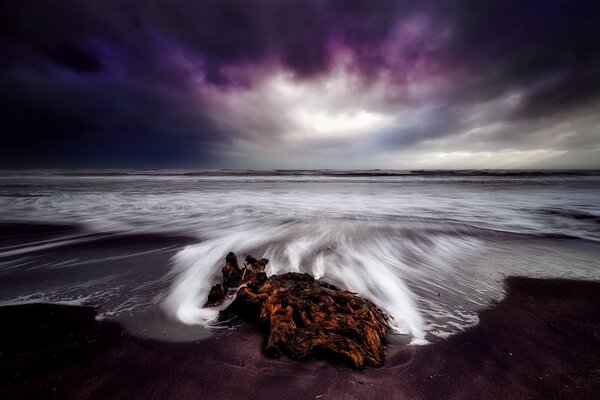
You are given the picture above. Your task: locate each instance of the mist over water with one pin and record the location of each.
(431, 249)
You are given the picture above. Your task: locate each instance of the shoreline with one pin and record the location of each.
(541, 341)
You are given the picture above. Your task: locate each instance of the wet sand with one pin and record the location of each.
(542, 341)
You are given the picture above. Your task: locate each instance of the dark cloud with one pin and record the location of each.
(75, 58)
(66, 122)
(546, 48)
(134, 83)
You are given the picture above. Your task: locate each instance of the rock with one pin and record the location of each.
(252, 275)
(232, 274)
(216, 296)
(307, 317)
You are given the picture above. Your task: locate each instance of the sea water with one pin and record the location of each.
(431, 248)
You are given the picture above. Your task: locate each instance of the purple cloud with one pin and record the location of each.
(233, 82)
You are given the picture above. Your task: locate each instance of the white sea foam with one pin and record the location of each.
(47, 298)
(430, 250)
(368, 257)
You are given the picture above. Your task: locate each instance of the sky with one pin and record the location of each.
(300, 84)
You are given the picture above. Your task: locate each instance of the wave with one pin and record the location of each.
(430, 251)
(402, 264)
(377, 260)
(571, 214)
(302, 172)
(419, 270)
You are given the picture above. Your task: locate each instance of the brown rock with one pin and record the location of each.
(251, 275)
(232, 274)
(307, 317)
(216, 296)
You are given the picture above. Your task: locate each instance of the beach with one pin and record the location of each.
(490, 281)
(540, 342)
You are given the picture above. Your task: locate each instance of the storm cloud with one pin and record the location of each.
(296, 84)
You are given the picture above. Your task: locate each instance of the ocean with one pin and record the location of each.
(431, 248)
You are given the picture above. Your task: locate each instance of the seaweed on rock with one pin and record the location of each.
(305, 316)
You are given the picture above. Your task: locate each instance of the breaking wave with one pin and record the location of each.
(431, 248)
(384, 261)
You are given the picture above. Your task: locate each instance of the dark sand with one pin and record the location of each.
(542, 341)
